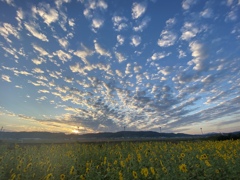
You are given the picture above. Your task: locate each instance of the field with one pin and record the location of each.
(122, 160)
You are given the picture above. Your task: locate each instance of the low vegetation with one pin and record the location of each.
(122, 160)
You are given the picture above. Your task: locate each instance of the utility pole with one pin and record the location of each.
(201, 131)
(160, 129)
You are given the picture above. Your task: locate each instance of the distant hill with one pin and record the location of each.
(101, 135)
(112, 135)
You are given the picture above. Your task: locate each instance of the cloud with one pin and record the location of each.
(71, 22)
(63, 56)
(199, 54)
(135, 40)
(182, 54)
(9, 2)
(119, 23)
(189, 30)
(35, 33)
(41, 51)
(48, 14)
(6, 78)
(143, 24)
(120, 39)
(120, 57)
(43, 91)
(63, 42)
(207, 13)
(100, 50)
(38, 61)
(160, 55)
(167, 38)
(97, 23)
(186, 4)
(84, 53)
(7, 29)
(77, 69)
(37, 70)
(60, 2)
(138, 9)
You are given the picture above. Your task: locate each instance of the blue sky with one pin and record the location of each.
(97, 65)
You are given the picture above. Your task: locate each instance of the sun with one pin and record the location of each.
(75, 131)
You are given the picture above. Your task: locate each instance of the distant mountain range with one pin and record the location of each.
(101, 135)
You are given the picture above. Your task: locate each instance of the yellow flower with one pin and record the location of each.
(87, 170)
(182, 155)
(105, 160)
(49, 176)
(183, 167)
(134, 173)
(164, 169)
(203, 157)
(72, 170)
(144, 171)
(217, 171)
(62, 176)
(152, 170)
(82, 177)
(13, 176)
(122, 164)
(115, 162)
(29, 165)
(120, 175)
(139, 158)
(207, 163)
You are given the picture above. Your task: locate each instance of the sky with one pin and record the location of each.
(83, 66)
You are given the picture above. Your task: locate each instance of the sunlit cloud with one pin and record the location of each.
(138, 9)
(6, 78)
(35, 33)
(135, 40)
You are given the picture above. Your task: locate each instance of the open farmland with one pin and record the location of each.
(122, 160)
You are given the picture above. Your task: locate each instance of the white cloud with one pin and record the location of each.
(102, 4)
(37, 70)
(143, 24)
(97, 23)
(77, 69)
(206, 13)
(119, 73)
(35, 33)
(138, 9)
(41, 51)
(43, 91)
(7, 29)
(160, 55)
(189, 31)
(6, 78)
(83, 54)
(9, 2)
(63, 42)
(120, 39)
(199, 54)
(48, 14)
(120, 57)
(60, 2)
(38, 61)
(119, 23)
(100, 50)
(186, 4)
(232, 15)
(135, 40)
(71, 22)
(62, 55)
(181, 54)
(167, 38)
